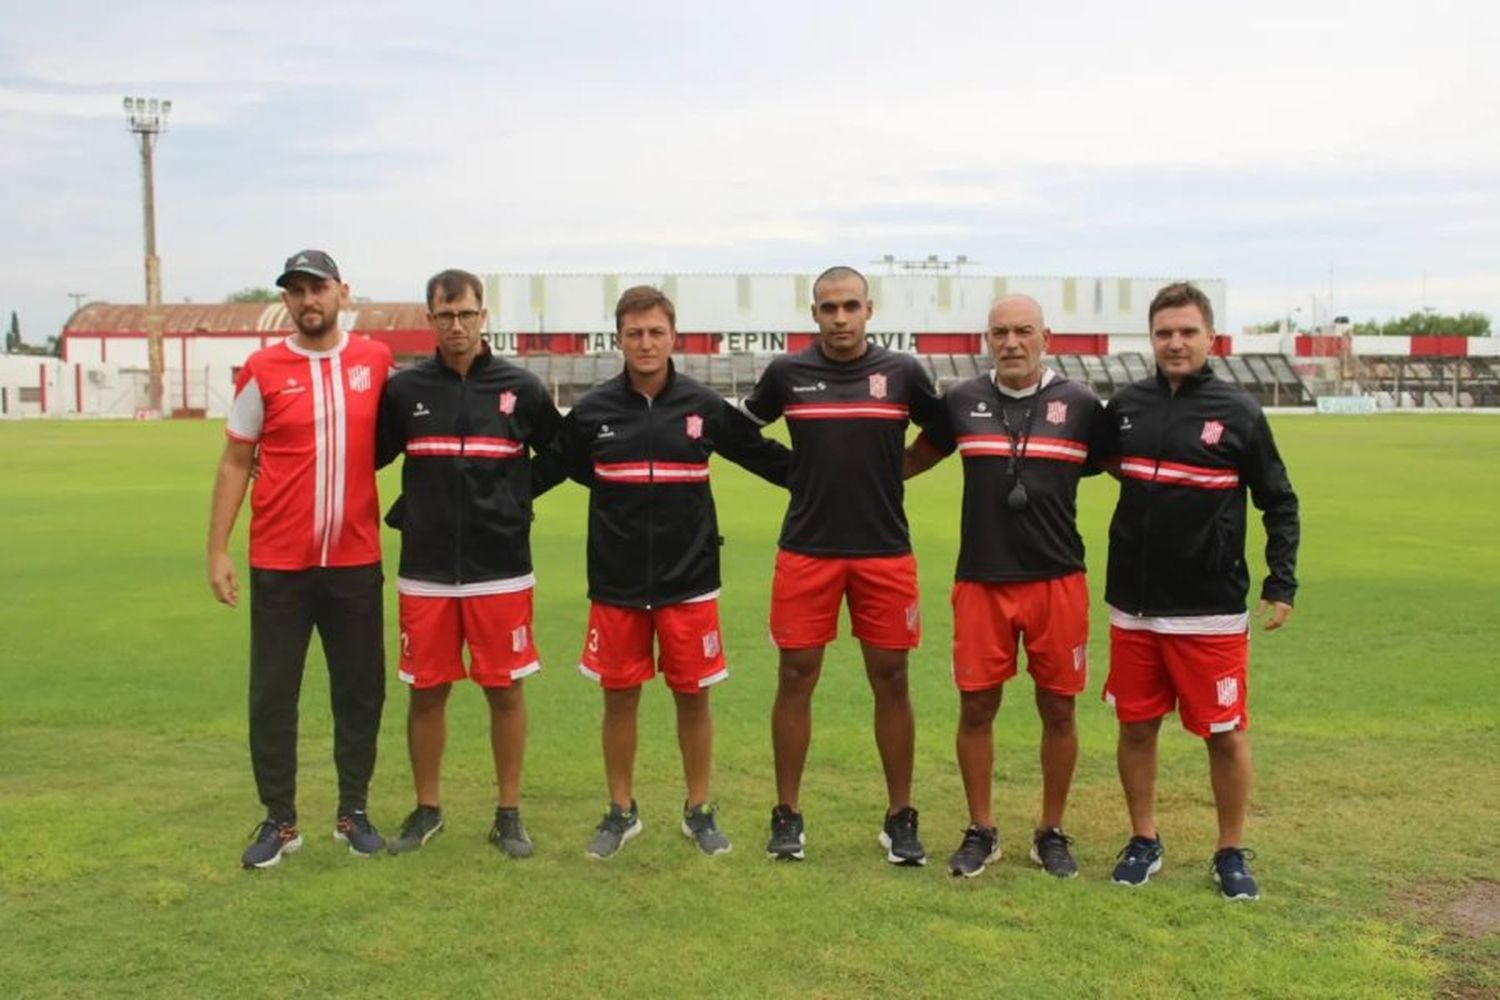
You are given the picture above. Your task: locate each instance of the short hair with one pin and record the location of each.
(1182, 293)
(840, 272)
(452, 283)
(643, 298)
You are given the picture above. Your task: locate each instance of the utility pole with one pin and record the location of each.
(146, 119)
(78, 299)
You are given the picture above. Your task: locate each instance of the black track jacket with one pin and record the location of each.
(1177, 540)
(465, 507)
(653, 532)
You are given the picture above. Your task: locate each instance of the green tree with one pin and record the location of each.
(13, 335)
(252, 295)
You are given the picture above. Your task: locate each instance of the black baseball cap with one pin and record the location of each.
(313, 262)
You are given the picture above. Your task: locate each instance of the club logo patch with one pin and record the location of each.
(694, 426)
(1228, 691)
(507, 402)
(518, 639)
(1212, 431)
(359, 378)
(1057, 412)
(1081, 656)
(877, 386)
(913, 617)
(710, 644)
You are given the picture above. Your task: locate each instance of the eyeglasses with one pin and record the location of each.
(446, 318)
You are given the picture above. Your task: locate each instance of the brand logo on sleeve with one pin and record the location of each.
(877, 386)
(1057, 412)
(359, 378)
(1212, 431)
(507, 402)
(694, 426)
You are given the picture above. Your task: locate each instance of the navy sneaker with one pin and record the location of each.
(787, 835)
(617, 826)
(1049, 848)
(270, 839)
(899, 838)
(981, 846)
(356, 830)
(1233, 875)
(1139, 860)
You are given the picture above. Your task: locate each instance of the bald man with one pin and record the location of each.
(1026, 435)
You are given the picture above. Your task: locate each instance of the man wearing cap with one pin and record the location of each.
(305, 408)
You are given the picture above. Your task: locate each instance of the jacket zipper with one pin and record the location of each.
(1161, 438)
(650, 502)
(461, 425)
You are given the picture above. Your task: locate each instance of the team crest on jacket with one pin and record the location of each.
(359, 378)
(507, 402)
(1212, 431)
(877, 386)
(694, 426)
(1057, 412)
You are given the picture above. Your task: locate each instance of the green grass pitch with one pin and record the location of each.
(125, 788)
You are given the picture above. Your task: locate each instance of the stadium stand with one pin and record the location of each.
(1430, 381)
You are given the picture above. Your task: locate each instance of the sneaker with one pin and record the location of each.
(417, 829)
(509, 833)
(1049, 848)
(617, 826)
(981, 845)
(899, 838)
(356, 830)
(787, 836)
(1139, 860)
(1233, 875)
(269, 841)
(698, 824)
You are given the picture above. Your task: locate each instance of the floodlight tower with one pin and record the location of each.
(147, 119)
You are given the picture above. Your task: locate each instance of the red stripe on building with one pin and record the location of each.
(1446, 347)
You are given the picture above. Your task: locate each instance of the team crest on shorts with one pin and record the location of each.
(1228, 691)
(1212, 431)
(359, 378)
(710, 644)
(694, 426)
(518, 639)
(1057, 412)
(877, 386)
(913, 617)
(507, 402)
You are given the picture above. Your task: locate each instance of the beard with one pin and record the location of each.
(316, 325)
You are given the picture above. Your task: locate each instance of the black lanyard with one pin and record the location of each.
(1017, 498)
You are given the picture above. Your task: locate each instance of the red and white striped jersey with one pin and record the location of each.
(313, 414)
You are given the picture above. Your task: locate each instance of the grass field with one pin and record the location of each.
(125, 788)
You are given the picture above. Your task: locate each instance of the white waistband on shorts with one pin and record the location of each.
(1181, 624)
(426, 588)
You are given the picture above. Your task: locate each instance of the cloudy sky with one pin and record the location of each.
(1307, 152)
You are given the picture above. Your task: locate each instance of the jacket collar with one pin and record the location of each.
(1189, 383)
(624, 378)
(480, 363)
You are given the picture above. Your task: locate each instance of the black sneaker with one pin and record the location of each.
(1139, 860)
(417, 829)
(1233, 875)
(1049, 848)
(700, 826)
(899, 838)
(981, 845)
(509, 834)
(617, 826)
(356, 830)
(787, 836)
(269, 841)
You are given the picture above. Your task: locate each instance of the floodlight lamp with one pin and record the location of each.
(166, 108)
(932, 258)
(128, 104)
(153, 104)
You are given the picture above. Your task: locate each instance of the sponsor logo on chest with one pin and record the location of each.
(292, 387)
(604, 432)
(982, 409)
(421, 410)
(816, 387)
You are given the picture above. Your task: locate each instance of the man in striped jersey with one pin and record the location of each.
(1190, 445)
(1026, 435)
(307, 406)
(847, 403)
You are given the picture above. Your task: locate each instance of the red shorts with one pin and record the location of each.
(1052, 615)
(618, 650)
(883, 609)
(497, 628)
(1204, 676)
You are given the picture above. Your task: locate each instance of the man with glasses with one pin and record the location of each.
(466, 421)
(305, 409)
